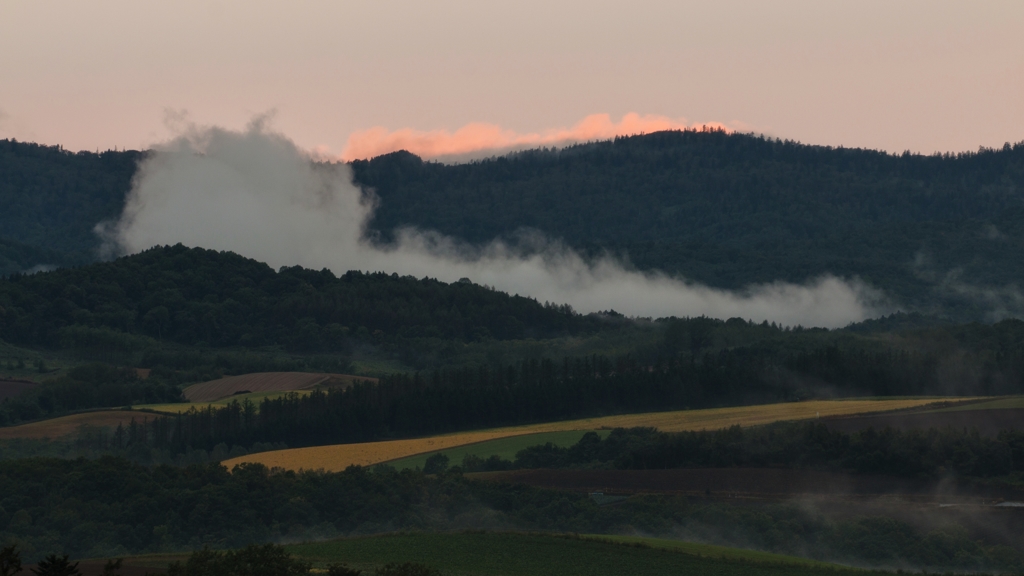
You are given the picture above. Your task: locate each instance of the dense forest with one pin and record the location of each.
(940, 234)
(53, 199)
(110, 507)
(201, 297)
(731, 209)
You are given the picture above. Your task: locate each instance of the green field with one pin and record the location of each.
(517, 554)
(506, 448)
(713, 551)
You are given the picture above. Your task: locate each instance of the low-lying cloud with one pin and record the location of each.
(479, 139)
(256, 193)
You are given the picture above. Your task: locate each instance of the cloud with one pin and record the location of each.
(480, 139)
(256, 193)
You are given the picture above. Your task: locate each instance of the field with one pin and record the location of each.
(340, 456)
(57, 427)
(12, 387)
(986, 417)
(516, 554)
(710, 550)
(264, 382)
(503, 447)
(254, 397)
(1008, 402)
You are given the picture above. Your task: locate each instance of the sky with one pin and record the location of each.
(353, 78)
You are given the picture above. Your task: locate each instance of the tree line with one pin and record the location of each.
(919, 454)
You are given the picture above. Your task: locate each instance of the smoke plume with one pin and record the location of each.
(481, 139)
(254, 192)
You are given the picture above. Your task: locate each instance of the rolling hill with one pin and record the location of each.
(938, 233)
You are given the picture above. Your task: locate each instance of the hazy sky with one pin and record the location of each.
(919, 75)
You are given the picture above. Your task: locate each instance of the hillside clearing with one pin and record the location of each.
(65, 425)
(340, 456)
(254, 397)
(264, 382)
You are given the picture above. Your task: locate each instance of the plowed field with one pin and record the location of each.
(95, 568)
(57, 427)
(10, 387)
(988, 421)
(340, 456)
(254, 397)
(264, 382)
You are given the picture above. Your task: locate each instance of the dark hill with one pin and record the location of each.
(197, 296)
(941, 234)
(52, 198)
(732, 209)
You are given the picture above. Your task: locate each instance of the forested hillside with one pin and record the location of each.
(731, 209)
(202, 297)
(52, 199)
(940, 234)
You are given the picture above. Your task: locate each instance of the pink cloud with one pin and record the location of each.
(479, 137)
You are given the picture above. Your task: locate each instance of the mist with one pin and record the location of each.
(256, 193)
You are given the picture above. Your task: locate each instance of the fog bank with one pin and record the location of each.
(256, 193)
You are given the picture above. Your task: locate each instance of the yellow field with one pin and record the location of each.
(340, 456)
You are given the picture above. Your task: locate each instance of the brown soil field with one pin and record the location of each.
(57, 427)
(339, 456)
(746, 483)
(10, 387)
(988, 422)
(95, 568)
(265, 382)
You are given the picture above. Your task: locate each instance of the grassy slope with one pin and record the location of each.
(712, 550)
(514, 554)
(503, 447)
(340, 456)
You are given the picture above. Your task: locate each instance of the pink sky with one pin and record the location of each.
(480, 136)
(354, 77)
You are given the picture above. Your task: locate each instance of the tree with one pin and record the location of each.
(54, 565)
(113, 567)
(253, 560)
(10, 560)
(436, 464)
